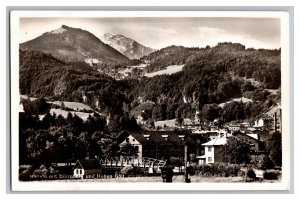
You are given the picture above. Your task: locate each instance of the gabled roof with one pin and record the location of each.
(88, 164)
(239, 134)
(253, 135)
(216, 141)
(159, 138)
(272, 110)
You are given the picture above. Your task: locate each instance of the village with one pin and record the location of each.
(194, 143)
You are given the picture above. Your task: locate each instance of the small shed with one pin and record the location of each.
(87, 169)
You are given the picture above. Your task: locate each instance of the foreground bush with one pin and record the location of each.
(132, 171)
(251, 174)
(218, 169)
(25, 172)
(271, 174)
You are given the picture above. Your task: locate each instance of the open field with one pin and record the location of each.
(169, 70)
(64, 113)
(68, 104)
(242, 99)
(72, 105)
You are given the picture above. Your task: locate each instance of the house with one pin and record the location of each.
(275, 114)
(159, 144)
(87, 169)
(212, 150)
(211, 134)
(252, 138)
(259, 123)
(234, 127)
(197, 119)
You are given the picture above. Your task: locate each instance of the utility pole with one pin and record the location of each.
(185, 155)
(185, 159)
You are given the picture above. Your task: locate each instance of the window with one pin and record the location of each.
(80, 171)
(209, 149)
(209, 159)
(133, 139)
(77, 171)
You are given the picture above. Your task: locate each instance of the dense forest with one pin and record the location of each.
(262, 65)
(210, 76)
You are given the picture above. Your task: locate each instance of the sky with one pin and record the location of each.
(158, 32)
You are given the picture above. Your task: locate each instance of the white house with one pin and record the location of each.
(212, 151)
(136, 144)
(259, 123)
(87, 169)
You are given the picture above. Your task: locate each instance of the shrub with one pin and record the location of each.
(265, 163)
(25, 172)
(218, 169)
(132, 171)
(241, 173)
(175, 161)
(126, 170)
(251, 174)
(38, 173)
(271, 174)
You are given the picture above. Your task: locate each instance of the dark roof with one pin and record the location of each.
(156, 138)
(120, 137)
(88, 164)
(239, 134)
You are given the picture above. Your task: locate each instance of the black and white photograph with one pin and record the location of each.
(139, 100)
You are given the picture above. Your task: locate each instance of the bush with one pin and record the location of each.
(25, 172)
(132, 171)
(218, 169)
(241, 173)
(271, 174)
(265, 163)
(175, 161)
(251, 174)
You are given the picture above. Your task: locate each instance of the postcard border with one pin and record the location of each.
(290, 94)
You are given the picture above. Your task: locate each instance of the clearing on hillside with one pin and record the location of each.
(171, 69)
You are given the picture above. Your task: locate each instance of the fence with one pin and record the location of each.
(133, 161)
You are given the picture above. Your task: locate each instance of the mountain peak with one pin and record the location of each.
(74, 44)
(109, 35)
(64, 26)
(126, 46)
(59, 30)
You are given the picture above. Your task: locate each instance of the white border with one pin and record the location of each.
(71, 186)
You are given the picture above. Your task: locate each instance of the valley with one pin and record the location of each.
(110, 97)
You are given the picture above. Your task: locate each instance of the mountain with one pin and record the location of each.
(74, 44)
(239, 59)
(42, 75)
(126, 46)
(210, 76)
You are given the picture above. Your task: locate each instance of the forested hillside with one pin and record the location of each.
(211, 76)
(42, 75)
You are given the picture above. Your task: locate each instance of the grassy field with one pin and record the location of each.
(73, 105)
(243, 99)
(64, 113)
(169, 70)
